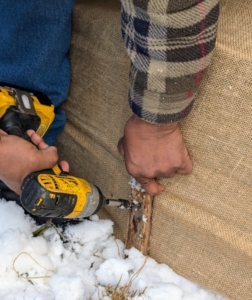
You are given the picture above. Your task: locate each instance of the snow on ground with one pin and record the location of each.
(48, 268)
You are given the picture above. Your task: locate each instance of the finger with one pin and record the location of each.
(64, 166)
(42, 145)
(120, 146)
(30, 132)
(37, 140)
(187, 167)
(150, 185)
(169, 174)
(46, 159)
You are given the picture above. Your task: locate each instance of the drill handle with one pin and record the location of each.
(15, 123)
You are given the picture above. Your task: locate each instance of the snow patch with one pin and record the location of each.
(80, 268)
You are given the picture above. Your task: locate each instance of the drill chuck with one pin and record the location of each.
(121, 203)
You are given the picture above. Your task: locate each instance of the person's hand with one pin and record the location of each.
(18, 158)
(153, 151)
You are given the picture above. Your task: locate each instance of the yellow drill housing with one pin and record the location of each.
(45, 111)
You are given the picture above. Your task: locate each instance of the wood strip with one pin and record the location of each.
(139, 226)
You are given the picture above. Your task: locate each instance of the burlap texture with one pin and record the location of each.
(202, 223)
(97, 107)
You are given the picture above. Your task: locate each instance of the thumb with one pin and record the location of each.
(150, 185)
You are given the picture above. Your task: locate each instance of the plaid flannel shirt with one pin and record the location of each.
(170, 44)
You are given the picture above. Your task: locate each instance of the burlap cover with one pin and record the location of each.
(97, 106)
(202, 223)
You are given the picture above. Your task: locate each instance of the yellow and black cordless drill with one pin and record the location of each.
(48, 193)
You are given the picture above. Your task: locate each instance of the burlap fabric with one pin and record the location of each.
(97, 107)
(202, 223)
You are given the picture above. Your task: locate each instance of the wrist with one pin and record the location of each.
(152, 127)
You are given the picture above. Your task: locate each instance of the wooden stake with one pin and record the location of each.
(140, 222)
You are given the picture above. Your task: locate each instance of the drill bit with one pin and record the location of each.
(122, 203)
